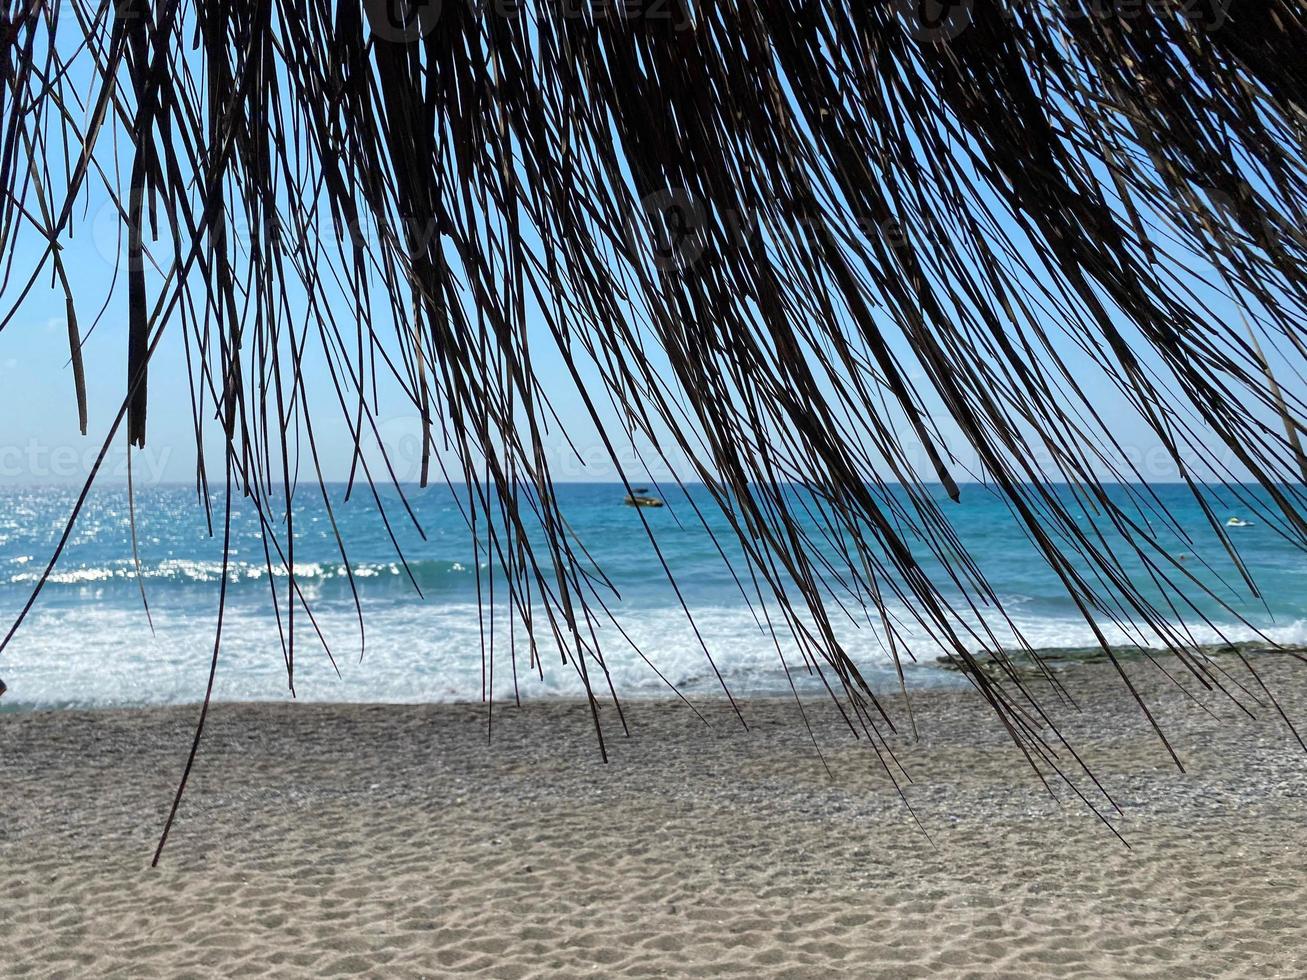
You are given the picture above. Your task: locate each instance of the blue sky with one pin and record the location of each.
(41, 443)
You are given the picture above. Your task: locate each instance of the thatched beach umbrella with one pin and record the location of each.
(786, 237)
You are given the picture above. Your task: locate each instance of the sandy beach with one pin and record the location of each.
(400, 841)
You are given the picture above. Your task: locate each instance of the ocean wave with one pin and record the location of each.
(88, 641)
(188, 571)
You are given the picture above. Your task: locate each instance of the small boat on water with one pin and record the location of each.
(639, 498)
(1237, 522)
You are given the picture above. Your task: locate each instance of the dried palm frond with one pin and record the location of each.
(776, 241)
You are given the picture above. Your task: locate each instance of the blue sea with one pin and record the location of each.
(89, 642)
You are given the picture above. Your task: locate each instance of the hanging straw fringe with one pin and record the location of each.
(778, 239)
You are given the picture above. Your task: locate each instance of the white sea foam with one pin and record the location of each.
(106, 655)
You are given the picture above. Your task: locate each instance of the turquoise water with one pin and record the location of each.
(88, 641)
